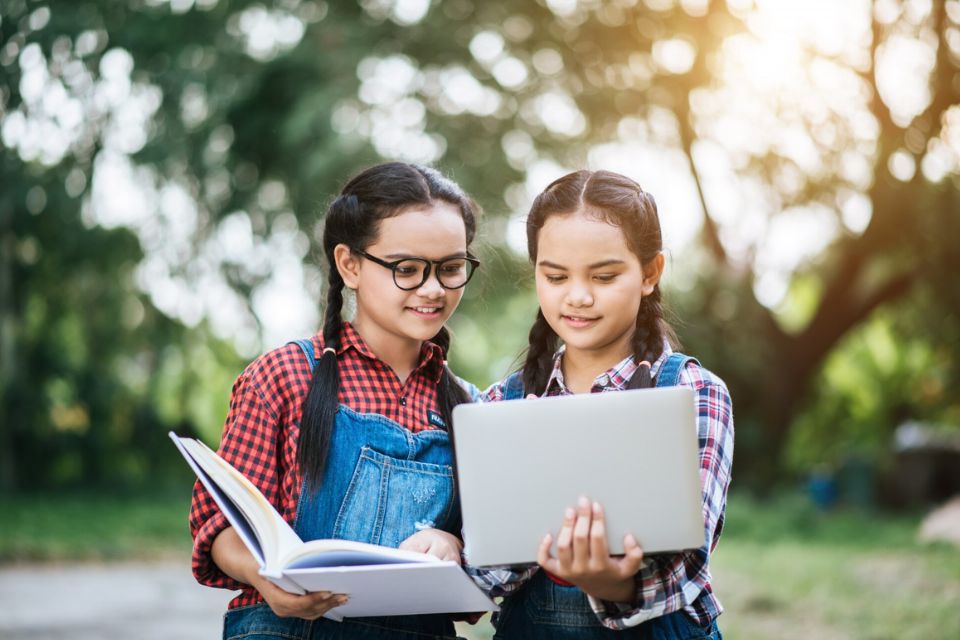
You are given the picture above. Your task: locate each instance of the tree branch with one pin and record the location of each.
(710, 231)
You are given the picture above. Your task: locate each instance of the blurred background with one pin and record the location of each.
(165, 166)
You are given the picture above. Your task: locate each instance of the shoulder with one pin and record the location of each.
(509, 388)
(697, 376)
(472, 390)
(279, 374)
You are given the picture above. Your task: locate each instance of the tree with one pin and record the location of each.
(253, 111)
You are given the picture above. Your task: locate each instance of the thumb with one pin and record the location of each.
(530, 396)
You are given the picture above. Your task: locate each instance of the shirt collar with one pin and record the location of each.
(616, 378)
(431, 355)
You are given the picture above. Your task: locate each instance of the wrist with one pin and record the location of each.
(621, 591)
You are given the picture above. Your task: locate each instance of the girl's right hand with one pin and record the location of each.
(290, 605)
(234, 559)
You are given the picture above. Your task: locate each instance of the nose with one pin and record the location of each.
(431, 288)
(579, 295)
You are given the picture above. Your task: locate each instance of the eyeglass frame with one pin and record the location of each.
(430, 269)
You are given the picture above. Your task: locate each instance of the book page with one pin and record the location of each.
(247, 499)
(348, 553)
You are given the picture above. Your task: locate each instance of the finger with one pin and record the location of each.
(565, 537)
(415, 543)
(630, 563)
(334, 601)
(443, 550)
(598, 535)
(581, 534)
(531, 396)
(544, 559)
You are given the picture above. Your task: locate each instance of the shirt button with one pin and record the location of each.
(403, 401)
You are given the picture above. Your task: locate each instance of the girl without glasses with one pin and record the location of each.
(594, 240)
(314, 423)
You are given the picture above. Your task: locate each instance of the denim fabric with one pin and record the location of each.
(543, 609)
(382, 484)
(258, 622)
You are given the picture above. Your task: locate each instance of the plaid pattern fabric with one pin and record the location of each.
(263, 425)
(665, 582)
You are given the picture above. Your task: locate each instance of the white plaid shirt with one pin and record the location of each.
(665, 582)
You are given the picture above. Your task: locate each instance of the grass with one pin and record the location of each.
(85, 527)
(783, 569)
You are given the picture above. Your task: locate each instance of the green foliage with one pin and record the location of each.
(85, 526)
(878, 377)
(93, 370)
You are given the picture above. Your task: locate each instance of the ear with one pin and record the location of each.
(651, 274)
(348, 265)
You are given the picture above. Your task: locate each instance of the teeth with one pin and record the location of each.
(426, 309)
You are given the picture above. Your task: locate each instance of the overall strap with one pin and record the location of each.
(513, 386)
(670, 370)
(306, 345)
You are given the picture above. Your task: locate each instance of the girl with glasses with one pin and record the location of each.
(347, 432)
(595, 244)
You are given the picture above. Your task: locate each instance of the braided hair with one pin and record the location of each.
(617, 200)
(353, 219)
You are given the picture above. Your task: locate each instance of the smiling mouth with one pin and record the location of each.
(426, 310)
(578, 319)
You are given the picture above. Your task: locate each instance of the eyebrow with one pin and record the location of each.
(595, 265)
(403, 256)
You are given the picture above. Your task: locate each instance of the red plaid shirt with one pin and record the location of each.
(262, 428)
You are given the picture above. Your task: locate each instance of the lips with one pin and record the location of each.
(579, 322)
(425, 311)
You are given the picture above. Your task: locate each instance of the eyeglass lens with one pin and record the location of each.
(413, 272)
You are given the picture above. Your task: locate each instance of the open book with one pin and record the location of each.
(380, 581)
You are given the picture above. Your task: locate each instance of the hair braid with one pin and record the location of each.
(648, 338)
(539, 363)
(322, 401)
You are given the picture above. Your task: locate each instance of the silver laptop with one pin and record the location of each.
(521, 463)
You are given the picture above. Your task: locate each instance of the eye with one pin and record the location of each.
(605, 277)
(452, 267)
(555, 278)
(406, 271)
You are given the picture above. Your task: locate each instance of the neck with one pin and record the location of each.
(400, 353)
(582, 366)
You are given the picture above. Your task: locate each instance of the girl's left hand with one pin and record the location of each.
(435, 542)
(584, 559)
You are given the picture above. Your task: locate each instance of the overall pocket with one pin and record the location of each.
(389, 499)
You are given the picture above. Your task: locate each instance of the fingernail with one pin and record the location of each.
(342, 600)
(547, 539)
(570, 512)
(596, 507)
(583, 502)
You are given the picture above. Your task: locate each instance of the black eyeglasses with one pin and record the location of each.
(412, 273)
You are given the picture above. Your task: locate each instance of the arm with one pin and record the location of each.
(250, 426)
(234, 559)
(667, 583)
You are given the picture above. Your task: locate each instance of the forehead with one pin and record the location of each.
(433, 230)
(579, 236)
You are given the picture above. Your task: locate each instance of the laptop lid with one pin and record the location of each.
(521, 463)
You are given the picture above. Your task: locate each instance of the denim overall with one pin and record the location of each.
(382, 483)
(543, 609)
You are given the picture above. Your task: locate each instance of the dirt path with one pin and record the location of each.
(98, 602)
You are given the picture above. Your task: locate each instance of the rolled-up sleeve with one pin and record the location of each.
(249, 444)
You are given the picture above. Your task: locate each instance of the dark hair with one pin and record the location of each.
(620, 201)
(353, 219)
